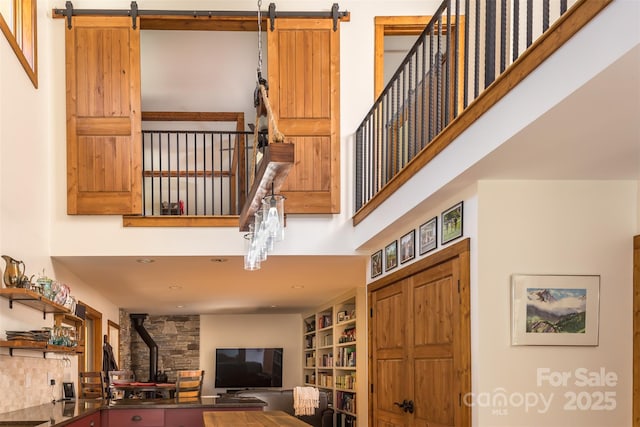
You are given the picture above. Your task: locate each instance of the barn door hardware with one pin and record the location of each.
(69, 11)
(134, 13)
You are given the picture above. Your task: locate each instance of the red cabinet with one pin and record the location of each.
(136, 417)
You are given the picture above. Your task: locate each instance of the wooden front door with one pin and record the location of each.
(420, 343)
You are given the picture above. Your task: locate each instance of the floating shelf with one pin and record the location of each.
(36, 345)
(34, 300)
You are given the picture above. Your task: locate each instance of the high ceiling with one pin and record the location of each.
(593, 134)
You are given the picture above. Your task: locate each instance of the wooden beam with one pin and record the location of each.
(272, 171)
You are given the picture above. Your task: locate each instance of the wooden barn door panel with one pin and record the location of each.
(304, 95)
(103, 116)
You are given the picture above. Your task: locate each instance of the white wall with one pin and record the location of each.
(222, 86)
(553, 227)
(277, 330)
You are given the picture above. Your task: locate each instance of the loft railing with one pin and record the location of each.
(463, 49)
(193, 171)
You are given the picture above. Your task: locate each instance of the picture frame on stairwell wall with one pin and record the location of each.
(428, 236)
(391, 256)
(452, 220)
(408, 247)
(376, 264)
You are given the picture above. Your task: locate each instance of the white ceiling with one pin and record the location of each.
(204, 285)
(593, 134)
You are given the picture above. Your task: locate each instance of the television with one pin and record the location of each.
(242, 368)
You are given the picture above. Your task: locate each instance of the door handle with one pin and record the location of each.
(406, 405)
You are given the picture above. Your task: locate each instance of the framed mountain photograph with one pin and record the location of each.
(554, 309)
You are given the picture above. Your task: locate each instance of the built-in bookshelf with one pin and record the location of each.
(332, 361)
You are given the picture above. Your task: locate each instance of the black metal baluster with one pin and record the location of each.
(545, 15)
(529, 22)
(503, 35)
(516, 28)
(490, 44)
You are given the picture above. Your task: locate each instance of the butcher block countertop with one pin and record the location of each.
(59, 414)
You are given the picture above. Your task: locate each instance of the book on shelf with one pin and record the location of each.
(346, 401)
(347, 382)
(310, 361)
(345, 420)
(324, 320)
(327, 361)
(346, 357)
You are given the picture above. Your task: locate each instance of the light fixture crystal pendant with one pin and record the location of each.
(266, 230)
(273, 215)
(251, 253)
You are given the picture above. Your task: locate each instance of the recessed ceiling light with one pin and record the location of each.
(179, 306)
(219, 260)
(175, 287)
(297, 287)
(273, 306)
(145, 260)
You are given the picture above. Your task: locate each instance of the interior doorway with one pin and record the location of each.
(394, 36)
(420, 342)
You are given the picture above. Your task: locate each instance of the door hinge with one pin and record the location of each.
(371, 312)
(458, 285)
(371, 388)
(459, 399)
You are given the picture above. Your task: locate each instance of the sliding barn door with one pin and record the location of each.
(304, 71)
(103, 116)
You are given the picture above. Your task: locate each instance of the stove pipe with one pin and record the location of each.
(137, 320)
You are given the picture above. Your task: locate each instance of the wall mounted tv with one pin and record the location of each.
(239, 368)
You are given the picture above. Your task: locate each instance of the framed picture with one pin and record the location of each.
(376, 264)
(554, 310)
(407, 247)
(391, 256)
(428, 235)
(452, 223)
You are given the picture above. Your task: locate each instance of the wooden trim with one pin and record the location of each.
(25, 42)
(391, 26)
(180, 221)
(113, 325)
(96, 363)
(636, 331)
(273, 170)
(559, 33)
(192, 116)
(206, 23)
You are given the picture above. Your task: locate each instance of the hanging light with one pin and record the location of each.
(251, 256)
(267, 229)
(273, 215)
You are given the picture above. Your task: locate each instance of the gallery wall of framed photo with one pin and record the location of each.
(434, 232)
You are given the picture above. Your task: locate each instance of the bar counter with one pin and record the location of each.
(60, 414)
